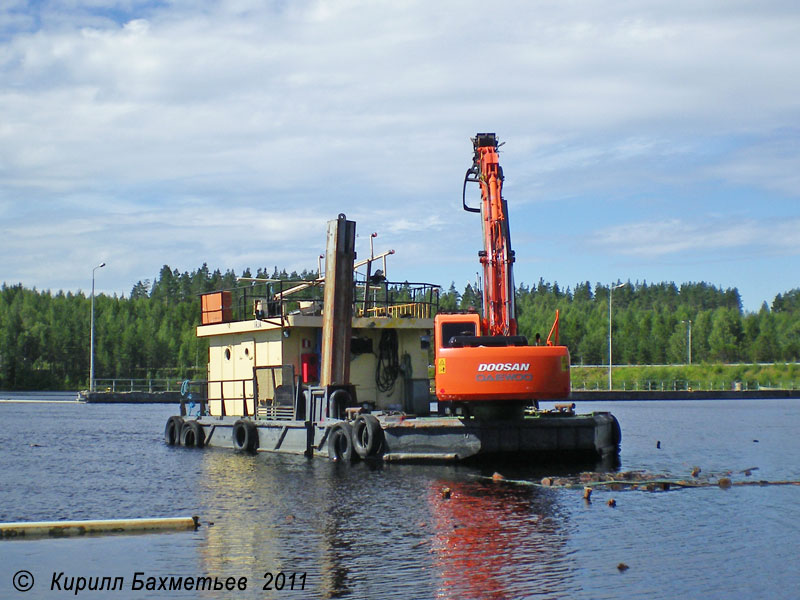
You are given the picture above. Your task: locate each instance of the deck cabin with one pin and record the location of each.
(265, 339)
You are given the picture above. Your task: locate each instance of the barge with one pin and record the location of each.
(338, 367)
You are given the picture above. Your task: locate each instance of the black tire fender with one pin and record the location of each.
(192, 435)
(244, 436)
(616, 431)
(172, 431)
(340, 443)
(367, 436)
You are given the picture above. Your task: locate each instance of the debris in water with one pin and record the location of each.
(622, 567)
(587, 494)
(497, 477)
(611, 502)
(446, 492)
(638, 480)
(658, 444)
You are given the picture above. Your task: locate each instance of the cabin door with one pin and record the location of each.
(243, 375)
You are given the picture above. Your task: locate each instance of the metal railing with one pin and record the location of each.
(131, 384)
(276, 300)
(415, 310)
(683, 385)
(241, 390)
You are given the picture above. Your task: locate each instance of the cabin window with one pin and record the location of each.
(227, 353)
(360, 345)
(452, 329)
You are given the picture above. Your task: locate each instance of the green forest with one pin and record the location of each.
(44, 336)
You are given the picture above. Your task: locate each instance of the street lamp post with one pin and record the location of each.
(91, 340)
(689, 324)
(610, 296)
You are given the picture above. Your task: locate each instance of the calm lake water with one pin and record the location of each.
(384, 532)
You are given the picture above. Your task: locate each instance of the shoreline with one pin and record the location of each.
(576, 395)
(629, 395)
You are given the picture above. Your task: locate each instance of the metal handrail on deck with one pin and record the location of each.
(412, 309)
(275, 300)
(244, 396)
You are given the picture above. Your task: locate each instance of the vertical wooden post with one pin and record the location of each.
(337, 312)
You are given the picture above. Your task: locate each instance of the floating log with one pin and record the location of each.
(634, 480)
(74, 528)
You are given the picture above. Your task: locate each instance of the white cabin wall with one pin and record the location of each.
(268, 348)
(261, 347)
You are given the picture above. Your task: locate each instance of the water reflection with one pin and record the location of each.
(238, 496)
(278, 514)
(494, 541)
(361, 530)
(335, 544)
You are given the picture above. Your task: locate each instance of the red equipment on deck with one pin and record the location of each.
(480, 359)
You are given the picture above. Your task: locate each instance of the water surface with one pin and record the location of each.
(385, 531)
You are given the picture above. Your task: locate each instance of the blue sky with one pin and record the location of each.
(645, 141)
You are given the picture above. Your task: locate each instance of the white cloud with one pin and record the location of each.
(159, 132)
(773, 164)
(706, 236)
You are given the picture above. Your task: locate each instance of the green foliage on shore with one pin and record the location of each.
(44, 336)
(685, 377)
(651, 323)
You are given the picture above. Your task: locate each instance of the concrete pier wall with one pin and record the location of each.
(130, 397)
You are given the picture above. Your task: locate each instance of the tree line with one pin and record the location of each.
(44, 336)
(651, 323)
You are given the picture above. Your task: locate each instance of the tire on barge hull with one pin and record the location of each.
(340, 443)
(616, 431)
(367, 436)
(244, 436)
(192, 435)
(172, 431)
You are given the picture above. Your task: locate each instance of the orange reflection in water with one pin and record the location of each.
(495, 542)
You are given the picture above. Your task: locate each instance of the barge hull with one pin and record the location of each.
(436, 439)
(594, 435)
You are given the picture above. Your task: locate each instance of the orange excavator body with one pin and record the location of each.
(481, 358)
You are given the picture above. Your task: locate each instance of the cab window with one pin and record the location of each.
(452, 329)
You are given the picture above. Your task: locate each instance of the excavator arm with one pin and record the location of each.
(497, 257)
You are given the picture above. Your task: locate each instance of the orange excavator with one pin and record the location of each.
(480, 359)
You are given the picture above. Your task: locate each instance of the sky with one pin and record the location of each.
(644, 140)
